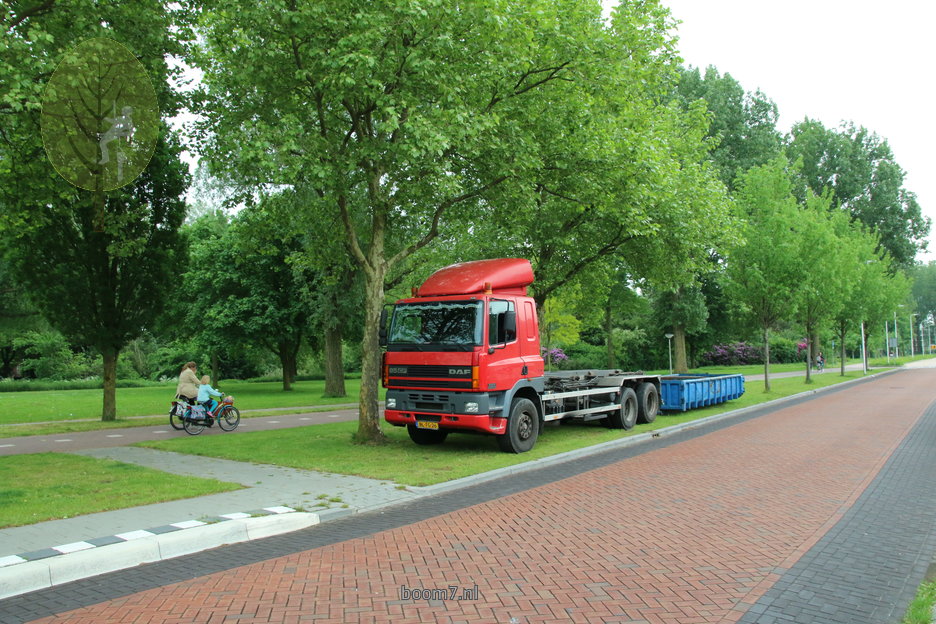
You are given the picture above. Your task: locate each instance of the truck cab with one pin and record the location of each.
(461, 349)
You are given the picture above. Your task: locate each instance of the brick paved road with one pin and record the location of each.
(695, 531)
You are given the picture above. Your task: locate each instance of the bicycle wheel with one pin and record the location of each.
(229, 418)
(176, 416)
(192, 426)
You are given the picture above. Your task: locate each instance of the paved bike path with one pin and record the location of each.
(700, 526)
(109, 438)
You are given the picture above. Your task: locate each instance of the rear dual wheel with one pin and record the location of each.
(625, 417)
(648, 402)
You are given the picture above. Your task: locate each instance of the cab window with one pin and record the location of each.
(498, 332)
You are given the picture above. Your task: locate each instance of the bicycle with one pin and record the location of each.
(195, 418)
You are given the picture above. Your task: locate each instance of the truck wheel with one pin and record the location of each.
(522, 427)
(626, 416)
(648, 402)
(426, 437)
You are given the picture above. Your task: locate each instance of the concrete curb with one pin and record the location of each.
(72, 562)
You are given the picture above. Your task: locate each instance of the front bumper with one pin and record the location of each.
(468, 411)
(483, 423)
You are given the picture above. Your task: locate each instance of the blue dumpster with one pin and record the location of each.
(686, 392)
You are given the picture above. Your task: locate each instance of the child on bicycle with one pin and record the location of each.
(205, 392)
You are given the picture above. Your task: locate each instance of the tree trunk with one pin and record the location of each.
(287, 353)
(215, 368)
(842, 339)
(368, 431)
(809, 358)
(766, 359)
(609, 331)
(110, 384)
(334, 367)
(681, 366)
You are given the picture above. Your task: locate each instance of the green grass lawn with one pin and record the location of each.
(58, 405)
(328, 447)
(51, 486)
(920, 610)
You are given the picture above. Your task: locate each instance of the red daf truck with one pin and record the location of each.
(463, 354)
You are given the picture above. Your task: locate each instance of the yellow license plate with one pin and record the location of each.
(422, 424)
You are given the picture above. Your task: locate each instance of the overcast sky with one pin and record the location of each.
(869, 62)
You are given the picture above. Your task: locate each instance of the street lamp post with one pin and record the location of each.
(864, 356)
(669, 344)
(896, 337)
(886, 342)
(912, 314)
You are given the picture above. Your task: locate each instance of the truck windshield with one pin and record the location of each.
(437, 323)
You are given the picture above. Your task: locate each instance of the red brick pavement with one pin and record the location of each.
(695, 532)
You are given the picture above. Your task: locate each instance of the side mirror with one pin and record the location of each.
(382, 330)
(510, 325)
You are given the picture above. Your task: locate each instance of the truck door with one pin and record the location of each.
(504, 364)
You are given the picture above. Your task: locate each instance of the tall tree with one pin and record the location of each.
(924, 289)
(245, 292)
(764, 271)
(683, 311)
(398, 113)
(823, 262)
(860, 170)
(743, 124)
(95, 264)
(872, 287)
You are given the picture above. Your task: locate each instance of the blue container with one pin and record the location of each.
(686, 392)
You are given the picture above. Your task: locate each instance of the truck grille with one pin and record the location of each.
(420, 370)
(430, 376)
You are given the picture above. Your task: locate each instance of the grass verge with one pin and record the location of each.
(920, 610)
(328, 447)
(52, 486)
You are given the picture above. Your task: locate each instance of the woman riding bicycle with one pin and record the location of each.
(187, 389)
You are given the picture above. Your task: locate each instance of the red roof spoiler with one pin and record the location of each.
(479, 276)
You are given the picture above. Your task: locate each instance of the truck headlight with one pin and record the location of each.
(471, 408)
(390, 404)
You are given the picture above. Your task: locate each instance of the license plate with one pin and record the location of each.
(422, 424)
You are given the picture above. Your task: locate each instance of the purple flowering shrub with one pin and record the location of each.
(555, 355)
(734, 354)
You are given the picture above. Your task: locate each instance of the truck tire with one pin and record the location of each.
(626, 416)
(522, 427)
(426, 437)
(648, 402)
